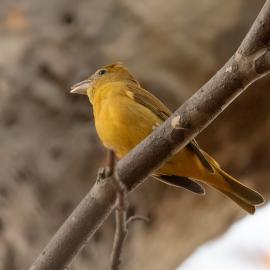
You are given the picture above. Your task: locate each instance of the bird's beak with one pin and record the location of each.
(81, 87)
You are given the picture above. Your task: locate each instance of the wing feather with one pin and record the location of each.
(151, 102)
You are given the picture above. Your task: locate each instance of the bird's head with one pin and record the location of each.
(107, 74)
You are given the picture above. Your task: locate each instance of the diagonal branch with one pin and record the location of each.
(248, 64)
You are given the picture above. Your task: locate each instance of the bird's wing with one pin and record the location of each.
(180, 181)
(194, 146)
(151, 102)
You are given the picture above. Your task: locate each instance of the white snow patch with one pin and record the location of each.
(245, 246)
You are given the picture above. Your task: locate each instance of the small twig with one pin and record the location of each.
(120, 218)
(120, 232)
(121, 223)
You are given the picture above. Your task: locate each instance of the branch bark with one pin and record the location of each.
(250, 62)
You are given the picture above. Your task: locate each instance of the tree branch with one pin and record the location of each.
(248, 64)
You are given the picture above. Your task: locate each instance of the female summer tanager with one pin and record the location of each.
(125, 114)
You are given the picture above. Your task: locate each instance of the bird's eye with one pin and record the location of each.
(102, 72)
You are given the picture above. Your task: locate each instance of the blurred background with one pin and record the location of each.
(49, 150)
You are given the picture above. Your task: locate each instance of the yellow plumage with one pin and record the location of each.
(114, 118)
(125, 114)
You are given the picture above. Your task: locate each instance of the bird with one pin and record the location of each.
(125, 113)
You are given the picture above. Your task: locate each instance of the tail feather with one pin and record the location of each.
(243, 204)
(244, 196)
(241, 191)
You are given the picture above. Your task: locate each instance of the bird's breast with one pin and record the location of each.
(122, 123)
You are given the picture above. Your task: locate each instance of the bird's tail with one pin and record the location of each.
(244, 196)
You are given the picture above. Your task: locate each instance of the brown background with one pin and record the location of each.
(49, 151)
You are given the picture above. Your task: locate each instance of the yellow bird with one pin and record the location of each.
(125, 114)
